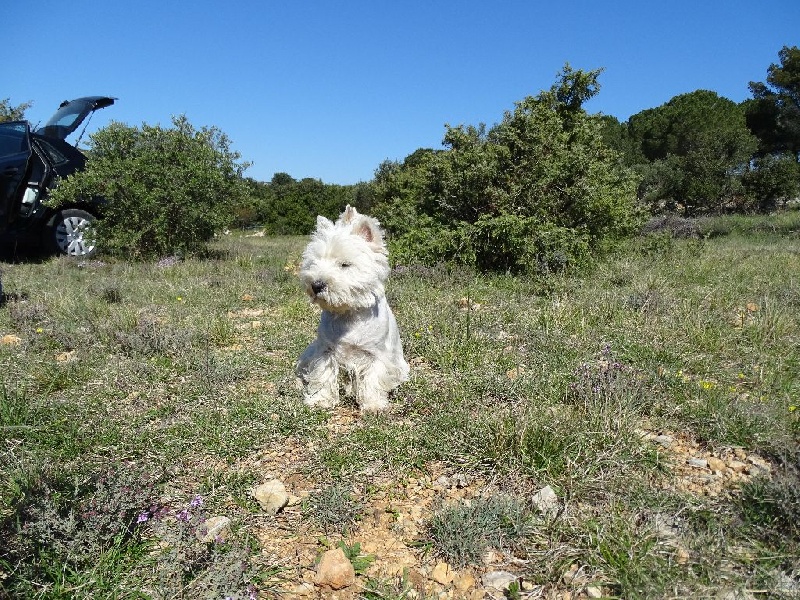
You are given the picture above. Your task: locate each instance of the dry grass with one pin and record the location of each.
(183, 374)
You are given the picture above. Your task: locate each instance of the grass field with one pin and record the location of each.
(655, 395)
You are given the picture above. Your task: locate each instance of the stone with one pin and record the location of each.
(737, 466)
(546, 501)
(301, 590)
(499, 580)
(214, 529)
(271, 496)
(664, 440)
(464, 582)
(10, 340)
(698, 463)
(758, 466)
(594, 592)
(65, 357)
(715, 464)
(785, 584)
(442, 574)
(334, 570)
(726, 594)
(574, 576)
(665, 526)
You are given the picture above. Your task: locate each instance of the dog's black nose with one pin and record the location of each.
(318, 286)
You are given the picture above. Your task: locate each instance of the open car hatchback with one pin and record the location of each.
(31, 163)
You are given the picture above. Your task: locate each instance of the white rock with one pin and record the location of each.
(785, 584)
(759, 466)
(213, 528)
(302, 590)
(271, 496)
(499, 580)
(546, 501)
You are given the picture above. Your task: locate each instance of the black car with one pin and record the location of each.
(31, 162)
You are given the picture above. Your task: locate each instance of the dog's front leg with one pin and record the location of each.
(371, 389)
(318, 373)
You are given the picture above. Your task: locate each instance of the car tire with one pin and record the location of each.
(68, 233)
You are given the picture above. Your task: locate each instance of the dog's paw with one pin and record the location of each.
(373, 404)
(320, 399)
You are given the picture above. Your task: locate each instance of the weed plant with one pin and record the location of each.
(461, 533)
(335, 508)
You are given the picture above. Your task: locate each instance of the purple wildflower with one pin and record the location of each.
(183, 515)
(143, 517)
(196, 501)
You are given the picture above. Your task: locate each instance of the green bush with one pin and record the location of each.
(540, 191)
(166, 190)
(773, 180)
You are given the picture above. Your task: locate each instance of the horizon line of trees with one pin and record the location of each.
(545, 188)
(698, 153)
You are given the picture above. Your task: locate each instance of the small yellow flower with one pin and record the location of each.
(180, 298)
(39, 330)
(792, 408)
(708, 385)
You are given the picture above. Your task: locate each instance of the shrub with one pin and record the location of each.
(773, 180)
(540, 191)
(462, 532)
(165, 191)
(64, 523)
(335, 508)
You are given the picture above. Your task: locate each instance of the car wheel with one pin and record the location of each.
(70, 233)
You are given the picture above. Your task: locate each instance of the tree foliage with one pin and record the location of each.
(165, 190)
(693, 149)
(774, 112)
(13, 113)
(286, 206)
(538, 191)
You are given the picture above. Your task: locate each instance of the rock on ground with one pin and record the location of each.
(334, 570)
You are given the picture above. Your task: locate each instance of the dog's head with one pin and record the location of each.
(344, 266)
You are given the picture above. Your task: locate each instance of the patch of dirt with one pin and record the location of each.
(395, 512)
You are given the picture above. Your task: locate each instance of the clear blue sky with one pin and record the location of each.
(330, 89)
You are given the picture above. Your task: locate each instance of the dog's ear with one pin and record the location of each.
(349, 215)
(323, 223)
(365, 229)
(369, 229)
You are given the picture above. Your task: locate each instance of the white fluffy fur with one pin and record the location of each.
(344, 269)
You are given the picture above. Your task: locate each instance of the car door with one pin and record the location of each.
(15, 155)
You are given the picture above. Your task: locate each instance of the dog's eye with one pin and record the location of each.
(344, 265)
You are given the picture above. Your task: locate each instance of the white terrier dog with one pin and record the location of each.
(344, 269)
